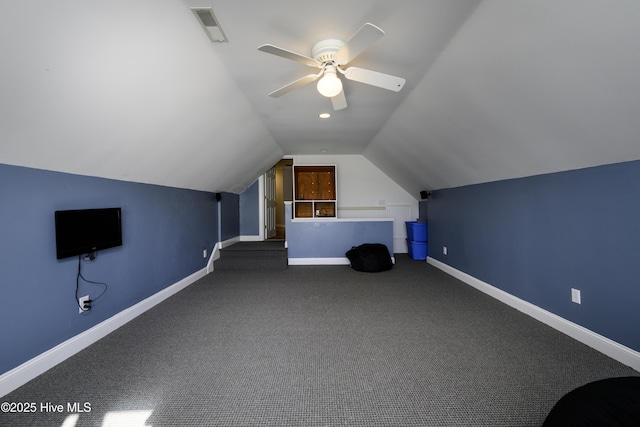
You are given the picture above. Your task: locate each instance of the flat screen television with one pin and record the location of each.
(86, 231)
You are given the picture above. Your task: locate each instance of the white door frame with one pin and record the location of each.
(270, 202)
(261, 221)
(261, 206)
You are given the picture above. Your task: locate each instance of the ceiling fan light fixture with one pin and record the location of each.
(331, 56)
(329, 85)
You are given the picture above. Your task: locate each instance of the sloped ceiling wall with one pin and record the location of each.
(99, 89)
(524, 88)
(132, 90)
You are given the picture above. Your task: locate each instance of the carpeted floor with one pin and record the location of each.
(321, 346)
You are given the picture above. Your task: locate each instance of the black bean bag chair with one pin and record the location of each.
(370, 257)
(605, 403)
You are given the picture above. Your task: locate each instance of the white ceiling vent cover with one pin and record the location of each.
(210, 24)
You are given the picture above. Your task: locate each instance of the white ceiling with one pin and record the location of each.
(496, 89)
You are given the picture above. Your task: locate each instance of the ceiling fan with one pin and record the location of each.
(330, 56)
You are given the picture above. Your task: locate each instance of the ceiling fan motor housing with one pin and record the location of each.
(325, 51)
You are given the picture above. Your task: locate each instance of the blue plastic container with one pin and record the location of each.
(417, 250)
(416, 231)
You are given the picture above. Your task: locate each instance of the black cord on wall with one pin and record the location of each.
(87, 307)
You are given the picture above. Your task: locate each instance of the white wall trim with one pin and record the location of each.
(215, 255)
(228, 242)
(251, 238)
(373, 219)
(319, 261)
(30, 369)
(324, 261)
(617, 351)
(261, 223)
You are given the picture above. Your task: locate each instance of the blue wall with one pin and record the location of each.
(230, 216)
(332, 238)
(249, 209)
(164, 233)
(422, 210)
(537, 237)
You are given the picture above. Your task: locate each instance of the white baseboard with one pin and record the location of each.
(319, 261)
(215, 255)
(24, 373)
(324, 261)
(617, 351)
(251, 238)
(228, 242)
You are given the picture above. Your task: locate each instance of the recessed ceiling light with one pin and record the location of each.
(324, 115)
(323, 150)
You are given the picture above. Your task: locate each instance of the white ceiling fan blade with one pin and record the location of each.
(284, 53)
(367, 35)
(374, 78)
(339, 101)
(294, 85)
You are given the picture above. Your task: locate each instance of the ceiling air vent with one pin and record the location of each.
(210, 24)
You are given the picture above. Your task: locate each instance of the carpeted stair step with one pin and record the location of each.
(253, 256)
(253, 253)
(250, 263)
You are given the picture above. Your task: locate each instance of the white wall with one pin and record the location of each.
(364, 191)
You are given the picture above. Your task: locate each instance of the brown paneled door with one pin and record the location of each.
(270, 203)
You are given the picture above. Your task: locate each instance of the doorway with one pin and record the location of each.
(278, 188)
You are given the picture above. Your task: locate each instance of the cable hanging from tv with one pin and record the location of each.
(87, 304)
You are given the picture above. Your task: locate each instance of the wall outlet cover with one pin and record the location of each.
(81, 302)
(575, 296)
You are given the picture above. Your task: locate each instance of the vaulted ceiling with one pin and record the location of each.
(495, 89)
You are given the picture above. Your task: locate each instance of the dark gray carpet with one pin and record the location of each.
(323, 346)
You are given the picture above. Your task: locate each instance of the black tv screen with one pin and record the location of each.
(85, 231)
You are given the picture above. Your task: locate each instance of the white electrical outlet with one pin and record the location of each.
(444, 250)
(81, 302)
(575, 296)
(204, 253)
